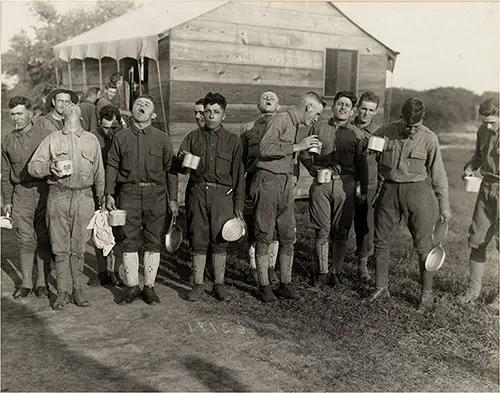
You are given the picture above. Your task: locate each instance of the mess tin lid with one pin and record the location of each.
(439, 231)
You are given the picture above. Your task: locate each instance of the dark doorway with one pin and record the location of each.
(136, 73)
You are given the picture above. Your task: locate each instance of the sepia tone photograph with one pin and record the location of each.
(245, 196)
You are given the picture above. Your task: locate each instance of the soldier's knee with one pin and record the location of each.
(322, 235)
(219, 248)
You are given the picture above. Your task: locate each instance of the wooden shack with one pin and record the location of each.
(181, 50)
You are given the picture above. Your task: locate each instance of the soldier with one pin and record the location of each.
(214, 193)
(484, 225)
(272, 190)
(411, 155)
(104, 134)
(25, 197)
(89, 113)
(70, 204)
(140, 163)
(367, 108)
(60, 99)
(253, 131)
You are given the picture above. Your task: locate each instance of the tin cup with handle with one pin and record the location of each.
(324, 175)
(316, 149)
(472, 183)
(191, 161)
(65, 167)
(376, 143)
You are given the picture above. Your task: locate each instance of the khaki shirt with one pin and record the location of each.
(371, 161)
(409, 159)
(17, 149)
(486, 155)
(82, 148)
(49, 122)
(276, 146)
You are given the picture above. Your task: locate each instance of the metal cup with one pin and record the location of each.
(376, 143)
(191, 161)
(65, 167)
(316, 150)
(324, 176)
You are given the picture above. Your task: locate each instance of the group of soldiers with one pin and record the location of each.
(132, 166)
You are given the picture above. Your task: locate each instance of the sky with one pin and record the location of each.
(440, 44)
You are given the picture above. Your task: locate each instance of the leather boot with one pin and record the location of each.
(426, 301)
(285, 291)
(61, 301)
(321, 280)
(27, 259)
(475, 283)
(266, 294)
(79, 299)
(195, 294)
(149, 295)
(338, 255)
(493, 307)
(131, 294)
(221, 292)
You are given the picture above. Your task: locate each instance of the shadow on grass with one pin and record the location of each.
(215, 378)
(28, 346)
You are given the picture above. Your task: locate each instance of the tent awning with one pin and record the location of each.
(133, 34)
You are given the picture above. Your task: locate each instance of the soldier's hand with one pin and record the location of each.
(308, 142)
(174, 208)
(445, 215)
(55, 171)
(467, 172)
(238, 213)
(7, 209)
(110, 203)
(102, 203)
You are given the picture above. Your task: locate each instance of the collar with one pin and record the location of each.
(28, 131)
(136, 130)
(78, 132)
(216, 131)
(51, 116)
(334, 124)
(293, 115)
(371, 127)
(264, 118)
(109, 135)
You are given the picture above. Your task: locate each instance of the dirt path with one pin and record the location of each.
(174, 346)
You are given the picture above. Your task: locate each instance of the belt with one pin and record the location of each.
(65, 188)
(140, 184)
(208, 185)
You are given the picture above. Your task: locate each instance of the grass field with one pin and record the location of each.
(327, 341)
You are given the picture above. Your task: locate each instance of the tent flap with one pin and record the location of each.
(129, 47)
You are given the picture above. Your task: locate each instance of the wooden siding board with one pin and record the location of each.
(236, 93)
(224, 52)
(262, 14)
(247, 34)
(190, 71)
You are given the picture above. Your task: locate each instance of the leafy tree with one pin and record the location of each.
(33, 60)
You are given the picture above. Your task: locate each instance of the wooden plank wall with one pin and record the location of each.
(154, 86)
(243, 49)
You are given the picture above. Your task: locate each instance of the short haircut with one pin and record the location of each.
(369, 96)
(215, 98)
(347, 94)
(48, 89)
(108, 112)
(489, 107)
(115, 77)
(148, 97)
(413, 110)
(79, 94)
(110, 86)
(314, 96)
(201, 101)
(93, 91)
(20, 100)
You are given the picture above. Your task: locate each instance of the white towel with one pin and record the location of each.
(102, 232)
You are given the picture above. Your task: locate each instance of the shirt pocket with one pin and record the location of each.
(223, 163)
(87, 164)
(416, 161)
(154, 162)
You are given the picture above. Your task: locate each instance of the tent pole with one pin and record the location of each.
(69, 75)
(161, 95)
(84, 69)
(57, 76)
(117, 65)
(100, 74)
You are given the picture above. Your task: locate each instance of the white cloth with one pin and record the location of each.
(102, 232)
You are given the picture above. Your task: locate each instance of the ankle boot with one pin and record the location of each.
(475, 283)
